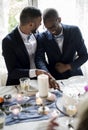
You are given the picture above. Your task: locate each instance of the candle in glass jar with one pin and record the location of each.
(19, 97)
(16, 111)
(43, 85)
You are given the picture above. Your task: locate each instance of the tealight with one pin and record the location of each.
(15, 109)
(19, 97)
(38, 101)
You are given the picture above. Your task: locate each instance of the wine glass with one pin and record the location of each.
(71, 111)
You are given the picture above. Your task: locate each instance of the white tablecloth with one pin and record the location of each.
(76, 81)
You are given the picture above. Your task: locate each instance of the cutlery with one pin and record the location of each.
(70, 126)
(17, 88)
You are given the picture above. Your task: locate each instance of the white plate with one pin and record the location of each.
(32, 91)
(34, 84)
(73, 85)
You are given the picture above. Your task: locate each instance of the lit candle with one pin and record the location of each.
(16, 111)
(19, 97)
(43, 85)
(38, 101)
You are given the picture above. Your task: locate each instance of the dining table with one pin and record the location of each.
(72, 85)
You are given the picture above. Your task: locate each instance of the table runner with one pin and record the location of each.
(30, 112)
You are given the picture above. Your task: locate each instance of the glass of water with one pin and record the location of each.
(24, 84)
(2, 120)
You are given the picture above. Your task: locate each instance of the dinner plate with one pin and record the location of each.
(60, 106)
(32, 91)
(50, 97)
(80, 80)
(74, 85)
(67, 105)
(34, 84)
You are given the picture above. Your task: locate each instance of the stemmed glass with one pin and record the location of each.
(71, 110)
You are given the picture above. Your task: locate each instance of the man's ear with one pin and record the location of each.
(59, 19)
(31, 24)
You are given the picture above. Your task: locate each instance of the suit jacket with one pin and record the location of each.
(74, 52)
(16, 57)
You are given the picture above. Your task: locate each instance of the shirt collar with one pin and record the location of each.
(24, 36)
(60, 35)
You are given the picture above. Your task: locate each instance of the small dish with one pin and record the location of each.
(51, 96)
(15, 109)
(7, 98)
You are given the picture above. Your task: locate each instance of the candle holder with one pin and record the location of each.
(43, 86)
(43, 109)
(15, 110)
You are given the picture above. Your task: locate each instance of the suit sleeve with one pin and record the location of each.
(40, 59)
(81, 49)
(15, 71)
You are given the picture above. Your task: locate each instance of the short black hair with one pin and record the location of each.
(29, 14)
(50, 13)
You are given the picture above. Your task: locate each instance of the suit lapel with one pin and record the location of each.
(53, 44)
(66, 41)
(20, 44)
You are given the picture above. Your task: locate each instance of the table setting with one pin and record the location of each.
(22, 107)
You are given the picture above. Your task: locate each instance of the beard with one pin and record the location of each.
(34, 30)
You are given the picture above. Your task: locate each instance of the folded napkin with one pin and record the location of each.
(29, 110)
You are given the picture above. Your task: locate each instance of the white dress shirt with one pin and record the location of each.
(59, 39)
(30, 44)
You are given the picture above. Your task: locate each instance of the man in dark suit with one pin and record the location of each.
(61, 49)
(19, 48)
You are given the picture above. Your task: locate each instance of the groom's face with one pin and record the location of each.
(52, 25)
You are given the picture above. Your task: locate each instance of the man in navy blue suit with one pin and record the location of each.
(61, 49)
(19, 48)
